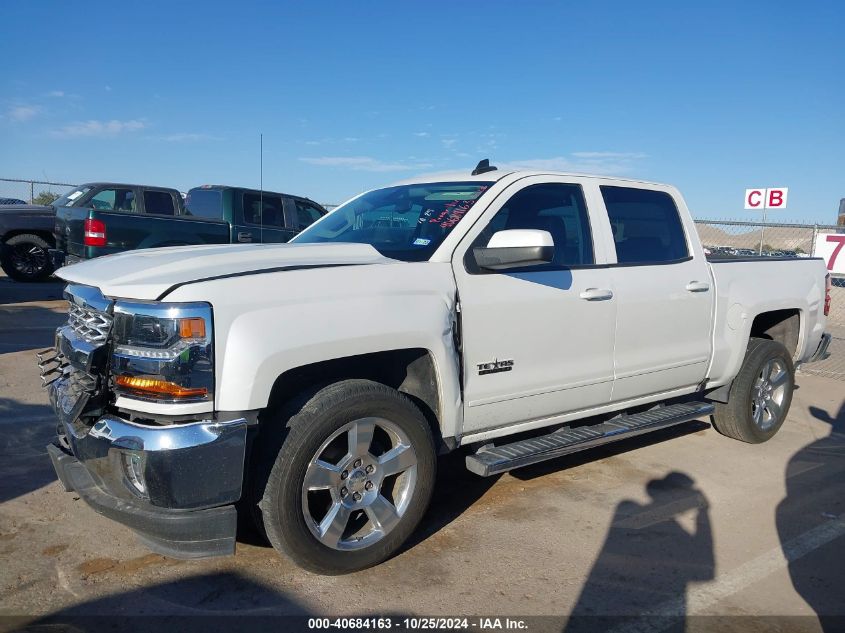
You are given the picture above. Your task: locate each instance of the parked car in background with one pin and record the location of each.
(5, 201)
(26, 235)
(101, 218)
(254, 215)
(105, 218)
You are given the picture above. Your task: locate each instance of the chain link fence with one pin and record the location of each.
(762, 238)
(30, 191)
(737, 238)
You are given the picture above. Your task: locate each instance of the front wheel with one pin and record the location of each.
(760, 395)
(352, 479)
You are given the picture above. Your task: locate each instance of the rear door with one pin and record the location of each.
(662, 285)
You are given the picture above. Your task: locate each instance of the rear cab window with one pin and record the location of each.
(646, 225)
(159, 203)
(205, 203)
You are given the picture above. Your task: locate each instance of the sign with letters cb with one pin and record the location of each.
(773, 198)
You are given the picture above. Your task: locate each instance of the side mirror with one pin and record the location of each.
(516, 248)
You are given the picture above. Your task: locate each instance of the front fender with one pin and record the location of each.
(270, 323)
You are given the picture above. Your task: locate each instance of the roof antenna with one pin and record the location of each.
(483, 167)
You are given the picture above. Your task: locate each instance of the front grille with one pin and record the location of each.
(91, 325)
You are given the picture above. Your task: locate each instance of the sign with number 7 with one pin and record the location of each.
(829, 247)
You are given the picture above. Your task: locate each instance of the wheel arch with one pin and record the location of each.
(783, 326)
(47, 236)
(411, 371)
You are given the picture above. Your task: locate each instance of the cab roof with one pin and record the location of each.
(462, 176)
(496, 174)
(270, 191)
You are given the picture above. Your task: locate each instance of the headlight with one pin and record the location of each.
(163, 351)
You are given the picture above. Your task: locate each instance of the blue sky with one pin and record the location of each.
(713, 98)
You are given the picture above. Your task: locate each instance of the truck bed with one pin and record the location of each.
(747, 286)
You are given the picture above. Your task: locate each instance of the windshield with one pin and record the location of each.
(68, 199)
(407, 222)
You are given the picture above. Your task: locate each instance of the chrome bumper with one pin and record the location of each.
(184, 466)
(174, 485)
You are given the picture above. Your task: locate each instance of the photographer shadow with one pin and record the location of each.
(651, 554)
(815, 489)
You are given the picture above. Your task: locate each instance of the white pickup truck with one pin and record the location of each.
(516, 316)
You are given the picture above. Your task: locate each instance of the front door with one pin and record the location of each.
(537, 341)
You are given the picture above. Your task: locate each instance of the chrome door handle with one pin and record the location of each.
(698, 286)
(244, 237)
(596, 294)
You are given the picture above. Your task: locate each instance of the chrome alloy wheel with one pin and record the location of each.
(768, 393)
(359, 484)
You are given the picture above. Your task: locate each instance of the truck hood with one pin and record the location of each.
(150, 273)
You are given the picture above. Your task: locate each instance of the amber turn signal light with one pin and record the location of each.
(193, 327)
(155, 386)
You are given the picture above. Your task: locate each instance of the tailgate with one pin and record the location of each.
(70, 230)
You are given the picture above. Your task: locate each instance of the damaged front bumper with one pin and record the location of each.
(174, 485)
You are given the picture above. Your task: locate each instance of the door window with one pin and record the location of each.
(306, 214)
(158, 202)
(646, 225)
(114, 200)
(557, 208)
(271, 215)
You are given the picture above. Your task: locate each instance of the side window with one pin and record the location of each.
(271, 215)
(158, 202)
(646, 225)
(559, 209)
(114, 200)
(306, 214)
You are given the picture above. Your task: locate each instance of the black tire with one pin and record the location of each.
(323, 415)
(25, 258)
(736, 418)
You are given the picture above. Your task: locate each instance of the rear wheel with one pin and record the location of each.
(352, 479)
(760, 396)
(26, 258)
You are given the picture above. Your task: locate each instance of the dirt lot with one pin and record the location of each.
(682, 522)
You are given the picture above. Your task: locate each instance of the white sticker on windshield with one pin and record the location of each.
(421, 241)
(74, 195)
